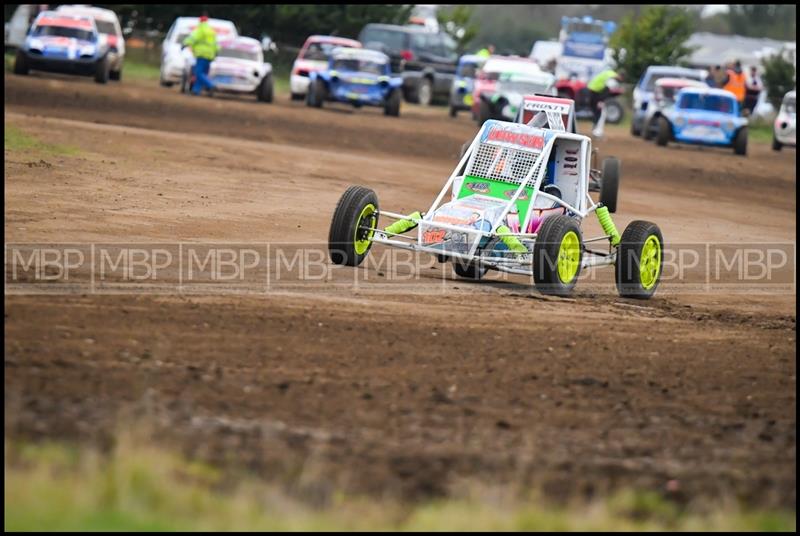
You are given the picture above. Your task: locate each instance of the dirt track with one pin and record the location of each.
(395, 386)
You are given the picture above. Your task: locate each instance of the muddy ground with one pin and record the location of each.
(398, 380)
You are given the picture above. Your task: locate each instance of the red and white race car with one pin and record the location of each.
(314, 57)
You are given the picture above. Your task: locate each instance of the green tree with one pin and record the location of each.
(656, 37)
(457, 23)
(779, 77)
(778, 21)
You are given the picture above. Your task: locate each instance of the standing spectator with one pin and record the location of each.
(486, 52)
(735, 82)
(711, 78)
(600, 87)
(719, 76)
(753, 90)
(203, 41)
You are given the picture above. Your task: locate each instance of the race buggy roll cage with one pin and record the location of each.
(520, 244)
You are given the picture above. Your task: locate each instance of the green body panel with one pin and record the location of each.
(498, 190)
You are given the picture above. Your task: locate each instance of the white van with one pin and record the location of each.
(108, 26)
(173, 59)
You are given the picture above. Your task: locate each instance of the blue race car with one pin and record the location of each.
(704, 116)
(62, 43)
(464, 82)
(358, 77)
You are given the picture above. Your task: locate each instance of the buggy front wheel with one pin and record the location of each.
(557, 255)
(639, 260)
(354, 222)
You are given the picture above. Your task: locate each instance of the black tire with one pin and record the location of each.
(649, 128)
(392, 106)
(546, 253)
(316, 94)
(346, 222)
(629, 258)
(424, 92)
(264, 92)
(102, 71)
(185, 83)
(614, 112)
(610, 183)
(776, 145)
(484, 112)
(453, 111)
(297, 96)
(740, 142)
(664, 132)
(116, 76)
(635, 131)
(21, 64)
(164, 83)
(469, 270)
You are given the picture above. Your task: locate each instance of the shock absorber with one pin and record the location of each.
(608, 225)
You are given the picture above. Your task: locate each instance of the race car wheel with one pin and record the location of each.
(776, 145)
(639, 260)
(635, 131)
(614, 111)
(469, 270)
(297, 96)
(115, 75)
(649, 130)
(610, 183)
(424, 92)
(740, 142)
(392, 106)
(453, 111)
(484, 112)
(264, 92)
(354, 222)
(316, 94)
(102, 71)
(185, 85)
(21, 64)
(557, 255)
(664, 132)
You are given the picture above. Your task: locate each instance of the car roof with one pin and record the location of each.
(54, 18)
(790, 95)
(397, 28)
(708, 91)
(511, 63)
(359, 53)
(655, 69)
(682, 82)
(240, 42)
(94, 11)
(333, 39)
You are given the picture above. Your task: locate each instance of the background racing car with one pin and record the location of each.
(314, 57)
(645, 88)
(109, 28)
(704, 116)
(501, 84)
(358, 77)
(514, 206)
(175, 57)
(784, 131)
(238, 68)
(464, 83)
(664, 98)
(64, 43)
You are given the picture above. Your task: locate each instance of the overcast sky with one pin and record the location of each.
(713, 9)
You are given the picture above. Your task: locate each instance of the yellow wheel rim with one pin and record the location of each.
(650, 262)
(362, 244)
(569, 257)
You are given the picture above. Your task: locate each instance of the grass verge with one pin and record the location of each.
(16, 140)
(55, 486)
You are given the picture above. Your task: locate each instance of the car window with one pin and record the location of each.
(318, 51)
(790, 104)
(651, 82)
(424, 42)
(106, 27)
(62, 31)
(708, 103)
(249, 55)
(364, 66)
(391, 39)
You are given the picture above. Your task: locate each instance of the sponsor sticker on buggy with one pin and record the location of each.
(514, 136)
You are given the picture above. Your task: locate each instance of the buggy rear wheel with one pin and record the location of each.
(557, 255)
(639, 260)
(354, 222)
(610, 183)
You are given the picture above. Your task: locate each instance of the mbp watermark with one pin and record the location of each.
(221, 267)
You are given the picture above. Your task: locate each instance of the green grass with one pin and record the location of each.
(54, 486)
(17, 140)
